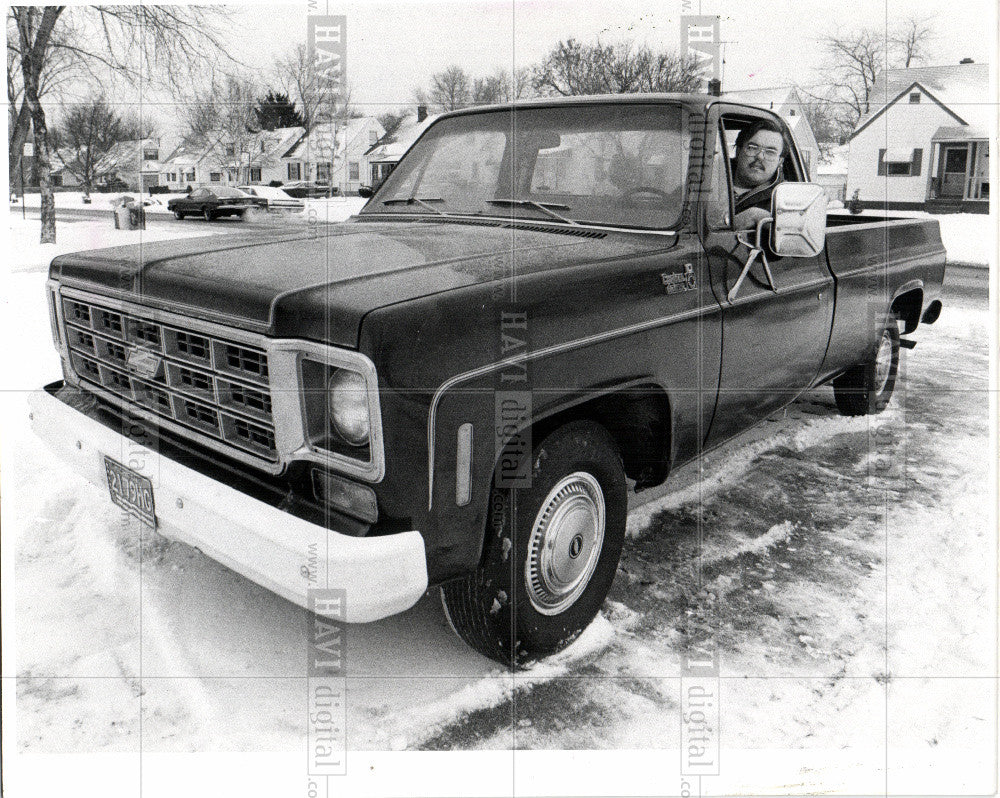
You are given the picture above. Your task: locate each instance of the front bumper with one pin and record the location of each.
(380, 576)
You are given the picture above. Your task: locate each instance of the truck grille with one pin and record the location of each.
(213, 386)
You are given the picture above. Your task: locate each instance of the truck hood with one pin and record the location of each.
(320, 286)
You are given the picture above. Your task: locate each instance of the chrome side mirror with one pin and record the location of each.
(799, 213)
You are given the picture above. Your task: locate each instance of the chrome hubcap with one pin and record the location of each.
(883, 362)
(565, 543)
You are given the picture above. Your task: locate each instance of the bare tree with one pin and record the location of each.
(450, 89)
(89, 133)
(501, 86)
(857, 59)
(574, 68)
(145, 44)
(911, 40)
(302, 79)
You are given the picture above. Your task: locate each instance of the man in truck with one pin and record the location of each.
(760, 150)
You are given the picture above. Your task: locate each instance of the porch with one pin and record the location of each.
(959, 181)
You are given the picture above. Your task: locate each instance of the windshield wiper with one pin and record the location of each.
(422, 202)
(544, 207)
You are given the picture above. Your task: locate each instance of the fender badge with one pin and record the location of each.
(676, 282)
(144, 363)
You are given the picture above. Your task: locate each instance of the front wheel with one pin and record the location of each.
(207, 213)
(551, 552)
(865, 389)
(178, 215)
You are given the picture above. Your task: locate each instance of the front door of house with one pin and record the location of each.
(956, 162)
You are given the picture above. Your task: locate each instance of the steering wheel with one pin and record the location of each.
(645, 190)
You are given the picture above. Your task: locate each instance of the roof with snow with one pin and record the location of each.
(405, 135)
(962, 89)
(319, 139)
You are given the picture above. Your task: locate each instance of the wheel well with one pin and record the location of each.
(906, 307)
(638, 418)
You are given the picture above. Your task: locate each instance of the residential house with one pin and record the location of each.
(217, 161)
(925, 142)
(335, 153)
(384, 156)
(787, 102)
(136, 163)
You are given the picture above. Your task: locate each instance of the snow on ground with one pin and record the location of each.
(850, 598)
(968, 237)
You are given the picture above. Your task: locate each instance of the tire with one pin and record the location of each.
(178, 215)
(515, 607)
(865, 389)
(207, 213)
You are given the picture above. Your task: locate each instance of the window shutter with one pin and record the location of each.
(918, 156)
(881, 163)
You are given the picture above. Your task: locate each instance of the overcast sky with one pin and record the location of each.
(395, 46)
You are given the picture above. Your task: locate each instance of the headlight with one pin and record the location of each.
(348, 397)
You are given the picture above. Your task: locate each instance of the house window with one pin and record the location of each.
(323, 172)
(791, 112)
(354, 170)
(57, 180)
(254, 174)
(151, 155)
(915, 97)
(294, 171)
(215, 177)
(900, 162)
(190, 175)
(230, 150)
(372, 136)
(262, 146)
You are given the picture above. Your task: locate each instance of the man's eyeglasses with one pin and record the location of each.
(767, 153)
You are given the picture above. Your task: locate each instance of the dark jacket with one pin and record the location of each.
(759, 197)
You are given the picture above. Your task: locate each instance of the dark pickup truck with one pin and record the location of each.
(543, 304)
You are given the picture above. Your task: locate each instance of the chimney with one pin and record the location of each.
(967, 61)
(421, 113)
(715, 87)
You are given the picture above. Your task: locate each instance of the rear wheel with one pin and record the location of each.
(865, 389)
(551, 552)
(178, 215)
(207, 213)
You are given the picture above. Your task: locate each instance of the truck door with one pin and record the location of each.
(776, 327)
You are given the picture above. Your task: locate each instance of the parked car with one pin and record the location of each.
(275, 198)
(457, 385)
(302, 189)
(211, 203)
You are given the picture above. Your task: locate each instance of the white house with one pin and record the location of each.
(334, 153)
(787, 103)
(383, 157)
(925, 142)
(216, 161)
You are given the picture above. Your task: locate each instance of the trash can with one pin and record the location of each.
(129, 215)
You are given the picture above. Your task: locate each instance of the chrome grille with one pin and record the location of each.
(206, 383)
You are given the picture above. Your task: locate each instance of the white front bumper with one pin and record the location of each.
(380, 576)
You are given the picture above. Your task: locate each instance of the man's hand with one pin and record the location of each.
(747, 220)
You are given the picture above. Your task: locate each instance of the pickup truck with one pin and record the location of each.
(543, 306)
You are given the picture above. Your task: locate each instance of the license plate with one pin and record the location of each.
(131, 491)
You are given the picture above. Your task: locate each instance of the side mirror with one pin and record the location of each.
(799, 212)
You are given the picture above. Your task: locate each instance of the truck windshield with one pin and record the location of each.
(620, 165)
